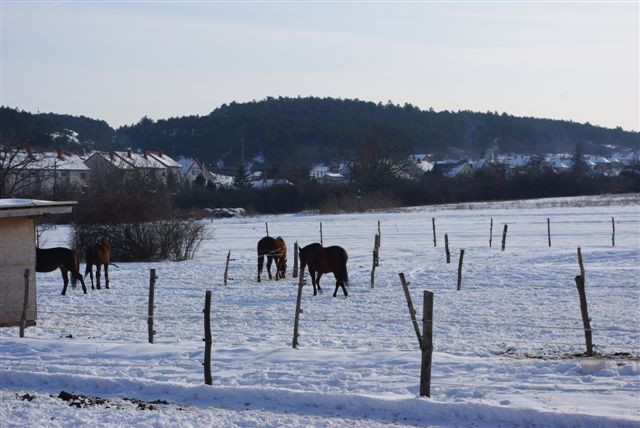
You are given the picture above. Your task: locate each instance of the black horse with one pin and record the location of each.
(50, 259)
(324, 260)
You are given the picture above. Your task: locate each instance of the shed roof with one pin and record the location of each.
(33, 207)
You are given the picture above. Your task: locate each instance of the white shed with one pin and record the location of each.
(18, 252)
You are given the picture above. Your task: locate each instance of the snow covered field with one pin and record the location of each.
(504, 346)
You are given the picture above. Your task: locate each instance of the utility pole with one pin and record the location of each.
(242, 151)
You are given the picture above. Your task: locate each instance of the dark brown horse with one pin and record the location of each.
(98, 255)
(50, 259)
(276, 250)
(324, 260)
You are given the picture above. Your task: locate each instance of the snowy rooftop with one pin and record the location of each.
(51, 160)
(164, 159)
(30, 207)
(139, 160)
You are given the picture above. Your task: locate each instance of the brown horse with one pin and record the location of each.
(98, 254)
(50, 259)
(324, 260)
(276, 250)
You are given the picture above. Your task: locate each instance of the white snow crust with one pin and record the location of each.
(505, 346)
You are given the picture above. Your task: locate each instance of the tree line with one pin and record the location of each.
(307, 130)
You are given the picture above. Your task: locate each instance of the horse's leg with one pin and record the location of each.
(312, 274)
(90, 268)
(84, 288)
(65, 279)
(276, 261)
(269, 261)
(338, 285)
(98, 276)
(106, 274)
(260, 263)
(318, 282)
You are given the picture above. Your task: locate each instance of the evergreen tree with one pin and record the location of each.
(241, 178)
(579, 166)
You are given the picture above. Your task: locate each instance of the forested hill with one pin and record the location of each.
(321, 128)
(50, 130)
(310, 129)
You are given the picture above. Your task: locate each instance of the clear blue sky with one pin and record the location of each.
(119, 61)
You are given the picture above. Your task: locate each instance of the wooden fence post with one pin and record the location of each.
(581, 265)
(586, 322)
(613, 232)
(226, 268)
(373, 267)
(295, 259)
(152, 290)
(321, 241)
(376, 252)
(427, 344)
(298, 310)
(549, 230)
(504, 237)
(433, 223)
(266, 225)
(491, 232)
(207, 337)
(446, 248)
(412, 312)
(379, 233)
(25, 303)
(460, 269)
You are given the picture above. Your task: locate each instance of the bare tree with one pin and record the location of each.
(17, 171)
(378, 160)
(117, 194)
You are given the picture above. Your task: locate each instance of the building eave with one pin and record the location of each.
(33, 207)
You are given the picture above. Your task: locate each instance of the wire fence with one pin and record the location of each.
(229, 324)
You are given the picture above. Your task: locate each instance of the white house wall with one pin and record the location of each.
(17, 253)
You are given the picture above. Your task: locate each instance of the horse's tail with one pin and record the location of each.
(341, 274)
(260, 264)
(88, 257)
(75, 269)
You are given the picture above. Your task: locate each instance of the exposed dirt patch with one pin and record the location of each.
(81, 401)
(550, 355)
(26, 396)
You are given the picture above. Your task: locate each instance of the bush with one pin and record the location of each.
(337, 203)
(134, 211)
(176, 239)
